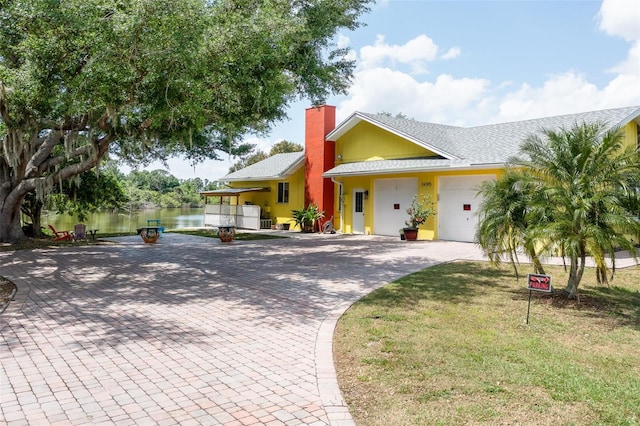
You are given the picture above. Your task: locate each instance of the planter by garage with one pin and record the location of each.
(410, 234)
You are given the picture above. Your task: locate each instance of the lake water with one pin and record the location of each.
(108, 222)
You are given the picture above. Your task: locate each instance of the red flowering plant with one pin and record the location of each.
(420, 210)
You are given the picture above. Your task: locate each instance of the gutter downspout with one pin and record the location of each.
(340, 201)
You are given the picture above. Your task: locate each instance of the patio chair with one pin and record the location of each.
(60, 235)
(80, 232)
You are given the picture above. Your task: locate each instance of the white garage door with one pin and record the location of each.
(458, 205)
(392, 197)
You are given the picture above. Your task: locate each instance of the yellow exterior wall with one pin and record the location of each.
(365, 183)
(367, 142)
(296, 198)
(630, 134)
(427, 185)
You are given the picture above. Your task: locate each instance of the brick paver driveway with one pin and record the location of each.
(190, 330)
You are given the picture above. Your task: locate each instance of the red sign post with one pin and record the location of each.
(537, 282)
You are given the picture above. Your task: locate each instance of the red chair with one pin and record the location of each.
(61, 235)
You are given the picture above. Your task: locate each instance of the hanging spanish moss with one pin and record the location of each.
(44, 186)
(70, 142)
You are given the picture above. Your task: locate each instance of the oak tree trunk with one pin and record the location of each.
(10, 226)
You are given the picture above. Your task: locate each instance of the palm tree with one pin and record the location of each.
(502, 228)
(585, 198)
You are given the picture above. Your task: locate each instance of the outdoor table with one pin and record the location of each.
(92, 233)
(156, 223)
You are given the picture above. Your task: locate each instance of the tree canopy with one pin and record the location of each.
(148, 79)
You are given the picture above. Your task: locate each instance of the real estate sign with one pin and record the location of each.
(538, 282)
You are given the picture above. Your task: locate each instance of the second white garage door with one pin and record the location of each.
(458, 205)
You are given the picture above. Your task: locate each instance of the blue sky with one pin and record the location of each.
(478, 62)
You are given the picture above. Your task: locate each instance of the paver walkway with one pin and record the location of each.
(190, 330)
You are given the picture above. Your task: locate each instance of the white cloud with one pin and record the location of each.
(386, 90)
(620, 18)
(381, 4)
(343, 41)
(452, 53)
(416, 53)
(558, 95)
(623, 90)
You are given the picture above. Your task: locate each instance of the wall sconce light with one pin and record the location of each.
(366, 195)
(339, 156)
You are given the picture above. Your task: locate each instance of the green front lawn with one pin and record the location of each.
(449, 345)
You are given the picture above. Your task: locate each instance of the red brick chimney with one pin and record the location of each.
(319, 157)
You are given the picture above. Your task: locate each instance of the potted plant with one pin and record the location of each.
(307, 218)
(274, 223)
(419, 211)
(298, 217)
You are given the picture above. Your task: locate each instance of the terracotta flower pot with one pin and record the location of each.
(411, 234)
(149, 235)
(226, 233)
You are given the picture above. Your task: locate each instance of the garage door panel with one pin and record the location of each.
(458, 204)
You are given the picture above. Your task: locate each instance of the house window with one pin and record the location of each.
(283, 192)
(359, 202)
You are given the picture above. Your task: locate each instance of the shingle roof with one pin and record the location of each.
(275, 167)
(389, 166)
(466, 147)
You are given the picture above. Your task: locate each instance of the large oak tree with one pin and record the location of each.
(147, 79)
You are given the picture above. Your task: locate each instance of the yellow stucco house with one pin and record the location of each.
(365, 171)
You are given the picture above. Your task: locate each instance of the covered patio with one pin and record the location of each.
(222, 208)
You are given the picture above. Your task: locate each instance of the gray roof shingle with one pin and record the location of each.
(491, 144)
(275, 167)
